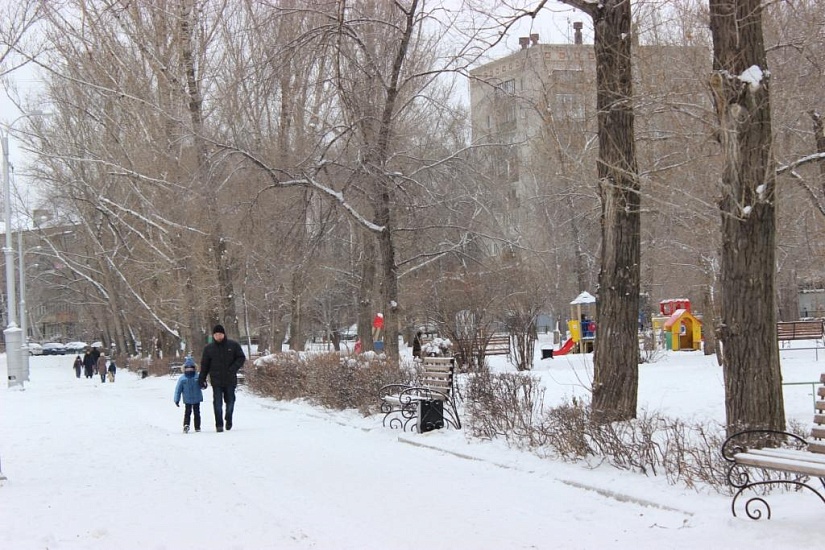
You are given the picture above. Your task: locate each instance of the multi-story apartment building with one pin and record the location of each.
(533, 114)
(539, 91)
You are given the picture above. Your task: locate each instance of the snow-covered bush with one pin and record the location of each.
(437, 347)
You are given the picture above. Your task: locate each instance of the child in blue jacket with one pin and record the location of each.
(190, 389)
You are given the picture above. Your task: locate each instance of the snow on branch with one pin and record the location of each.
(311, 183)
(800, 162)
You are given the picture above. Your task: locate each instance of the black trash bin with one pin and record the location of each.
(430, 415)
(547, 354)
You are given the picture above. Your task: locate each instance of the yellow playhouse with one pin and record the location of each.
(683, 331)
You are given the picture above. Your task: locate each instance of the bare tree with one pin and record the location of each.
(741, 93)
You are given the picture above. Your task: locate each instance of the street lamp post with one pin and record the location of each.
(13, 334)
(17, 370)
(24, 348)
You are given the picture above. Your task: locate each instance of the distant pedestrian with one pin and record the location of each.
(101, 368)
(112, 369)
(416, 345)
(221, 361)
(189, 388)
(89, 363)
(78, 365)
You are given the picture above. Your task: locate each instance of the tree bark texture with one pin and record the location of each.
(616, 358)
(366, 289)
(739, 84)
(819, 134)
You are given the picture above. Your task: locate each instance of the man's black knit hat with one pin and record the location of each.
(218, 328)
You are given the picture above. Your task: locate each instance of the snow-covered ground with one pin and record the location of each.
(104, 466)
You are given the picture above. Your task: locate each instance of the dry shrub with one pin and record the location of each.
(504, 405)
(325, 379)
(155, 366)
(511, 406)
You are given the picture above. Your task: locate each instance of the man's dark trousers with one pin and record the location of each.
(221, 394)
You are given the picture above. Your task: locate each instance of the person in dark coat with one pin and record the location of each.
(189, 388)
(112, 369)
(89, 363)
(416, 351)
(78, 365)
(222, 359)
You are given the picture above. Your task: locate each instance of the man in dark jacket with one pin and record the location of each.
(221, 361)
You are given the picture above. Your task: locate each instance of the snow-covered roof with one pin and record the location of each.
(584, 298)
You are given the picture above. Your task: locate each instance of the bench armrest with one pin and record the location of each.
(741, 441)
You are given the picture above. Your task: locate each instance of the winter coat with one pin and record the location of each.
(78, 363)
(189, 387)
(112, 366)
(101, 364)
(416, 346)
(89, 363)
(221, 361)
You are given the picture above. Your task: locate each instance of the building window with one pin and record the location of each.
(509, 114)
(507, 87)
(570, 105)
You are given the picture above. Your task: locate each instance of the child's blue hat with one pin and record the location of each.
(189, 363)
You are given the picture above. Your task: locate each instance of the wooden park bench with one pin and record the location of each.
(800, 330)
(425, 405)
(499, 344)
(795, 458)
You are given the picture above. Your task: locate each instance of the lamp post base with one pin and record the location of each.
(14, 339)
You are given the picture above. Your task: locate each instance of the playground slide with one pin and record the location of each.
(565, 348)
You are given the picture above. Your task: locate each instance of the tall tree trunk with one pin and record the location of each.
(366, 289)
(580, 265)
(297, 337)
(616, 358)
(709, 321)
(390, 279)
(227, 314)
(740, 87)
(819, 134)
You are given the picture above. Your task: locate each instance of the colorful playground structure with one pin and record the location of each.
(681, 329)
(675, 325)
(581, 327)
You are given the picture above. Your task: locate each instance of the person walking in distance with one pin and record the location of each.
(89, 363)
(101, 368)
(112, 369)
(189, 388)
(416, 345)
(222, 359)
(78, 365)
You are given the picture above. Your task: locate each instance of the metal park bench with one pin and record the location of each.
(426, 405)
(796, 459)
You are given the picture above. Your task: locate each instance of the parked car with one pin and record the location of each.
(76, 347)
(35, 348)
(54, 348)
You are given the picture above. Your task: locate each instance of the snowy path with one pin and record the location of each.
(97, 466)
